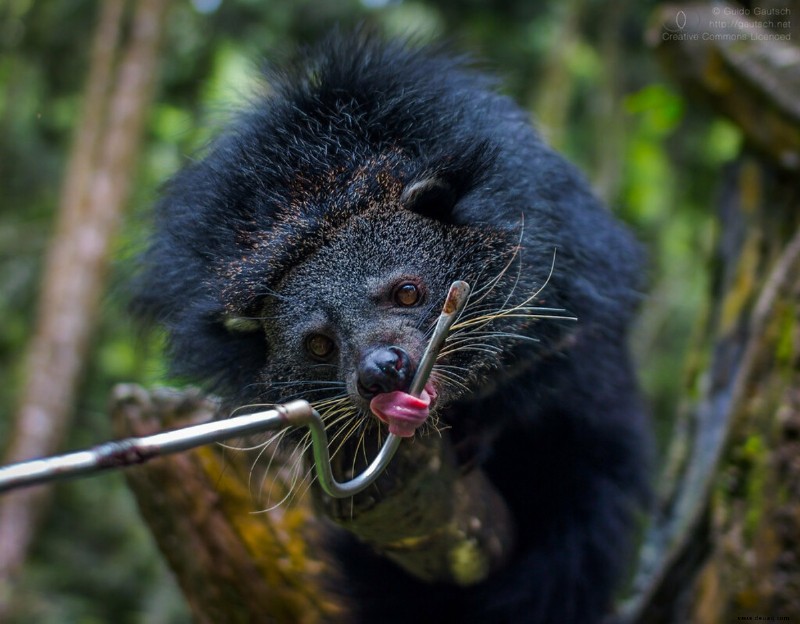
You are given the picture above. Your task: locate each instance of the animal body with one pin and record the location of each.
(308, 253)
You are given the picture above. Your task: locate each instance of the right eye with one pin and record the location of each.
(319, 346)
(406, 295)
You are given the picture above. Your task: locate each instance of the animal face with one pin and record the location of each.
(309, 253)
(353, 319)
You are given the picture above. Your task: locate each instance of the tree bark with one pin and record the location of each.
(437, 523)
(723, 543)
(101, 165)
(234, 565)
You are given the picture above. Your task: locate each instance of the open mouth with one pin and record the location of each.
(403, 412)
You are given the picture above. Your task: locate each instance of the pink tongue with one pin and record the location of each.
(403, 412)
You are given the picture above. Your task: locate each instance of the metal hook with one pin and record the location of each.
(453, 305)
(131, 451)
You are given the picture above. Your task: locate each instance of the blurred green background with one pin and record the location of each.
(580, 66)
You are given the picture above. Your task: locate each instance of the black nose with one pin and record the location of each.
(384, 369)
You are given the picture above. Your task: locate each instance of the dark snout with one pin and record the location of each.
(382, 370)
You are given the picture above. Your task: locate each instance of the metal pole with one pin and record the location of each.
(132, 451)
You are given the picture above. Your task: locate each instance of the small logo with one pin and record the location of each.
(677, 23)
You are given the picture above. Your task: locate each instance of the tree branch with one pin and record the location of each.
(94, 193)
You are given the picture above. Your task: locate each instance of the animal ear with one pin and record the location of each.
(430, 197)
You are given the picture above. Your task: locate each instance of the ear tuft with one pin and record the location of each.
(240, 324)
(433, 198)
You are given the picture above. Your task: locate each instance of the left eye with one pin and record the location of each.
(320, 346)
(406, 295)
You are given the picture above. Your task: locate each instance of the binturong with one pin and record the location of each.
(308, 254)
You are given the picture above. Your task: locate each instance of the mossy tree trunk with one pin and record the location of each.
(233, 562)
(724, 541)
(236, 563)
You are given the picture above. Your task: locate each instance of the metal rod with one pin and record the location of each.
(132, 451)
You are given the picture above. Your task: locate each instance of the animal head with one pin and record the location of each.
(308, 254)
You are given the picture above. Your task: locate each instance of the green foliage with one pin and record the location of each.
(95, 561)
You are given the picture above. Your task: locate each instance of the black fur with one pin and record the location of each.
(371, 164)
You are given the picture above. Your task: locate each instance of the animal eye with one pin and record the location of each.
(319, 346)
(406, 295)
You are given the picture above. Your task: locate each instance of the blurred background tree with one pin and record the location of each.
(583, 69)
